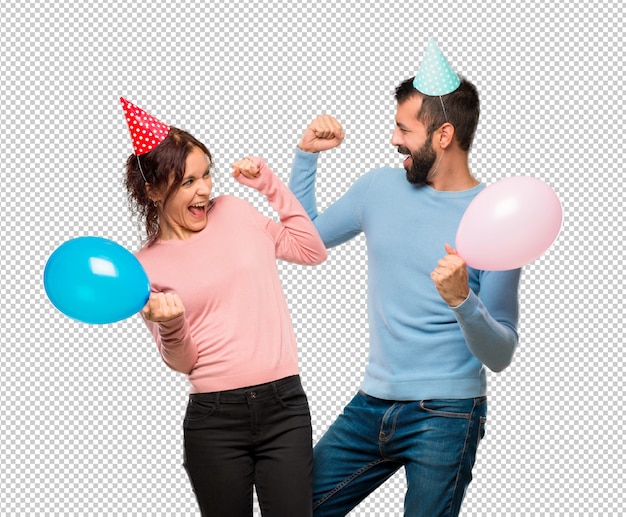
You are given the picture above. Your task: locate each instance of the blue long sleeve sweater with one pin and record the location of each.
(420, 348)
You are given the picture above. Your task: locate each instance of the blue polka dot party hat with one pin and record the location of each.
(435, 75)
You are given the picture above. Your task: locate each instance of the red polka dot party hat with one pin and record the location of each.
(146, 131)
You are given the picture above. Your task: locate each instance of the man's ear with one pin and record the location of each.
(445, 135)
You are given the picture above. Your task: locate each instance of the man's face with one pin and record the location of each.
(412, 139)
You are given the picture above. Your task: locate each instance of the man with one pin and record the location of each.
(435, 324)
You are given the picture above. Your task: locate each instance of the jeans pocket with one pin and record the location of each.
(451, 408)
(292, 397)
(198, 411)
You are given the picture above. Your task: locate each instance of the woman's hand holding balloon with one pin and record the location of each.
(163, 307)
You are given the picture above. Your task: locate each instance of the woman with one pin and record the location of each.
(218, 314)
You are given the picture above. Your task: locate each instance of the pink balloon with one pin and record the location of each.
(509, 224)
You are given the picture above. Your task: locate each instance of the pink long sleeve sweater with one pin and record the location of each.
(236, 330)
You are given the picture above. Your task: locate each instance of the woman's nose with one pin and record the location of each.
(205, 185)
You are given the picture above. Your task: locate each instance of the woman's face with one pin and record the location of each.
(184, 213)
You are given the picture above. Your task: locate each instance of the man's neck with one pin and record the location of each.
(452, 173)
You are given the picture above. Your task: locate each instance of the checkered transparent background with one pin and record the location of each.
(91, 418)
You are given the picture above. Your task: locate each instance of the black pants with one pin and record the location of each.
(258, 436)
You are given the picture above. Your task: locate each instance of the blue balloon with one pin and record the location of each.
(95, 280)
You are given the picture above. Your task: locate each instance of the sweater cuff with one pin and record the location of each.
(309, 158)
(170, 328)
(467, 307)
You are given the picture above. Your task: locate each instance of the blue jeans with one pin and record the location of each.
(261, 436)
(434, 440)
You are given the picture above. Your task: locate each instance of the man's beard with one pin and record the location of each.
(422, 162)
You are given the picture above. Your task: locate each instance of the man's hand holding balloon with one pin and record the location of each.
(451, 278)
